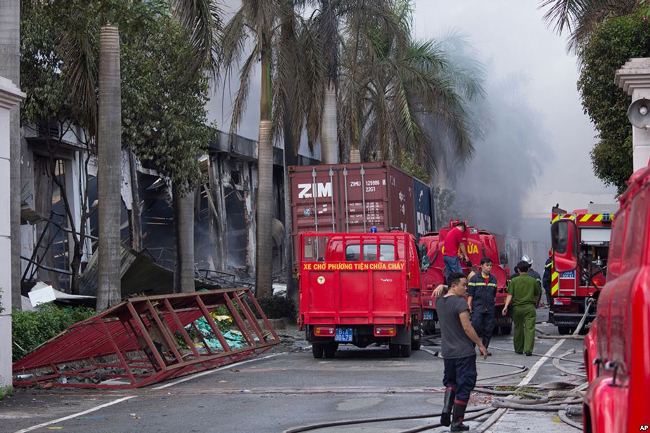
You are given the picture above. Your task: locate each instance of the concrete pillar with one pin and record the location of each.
(634, 78)
(10, 96)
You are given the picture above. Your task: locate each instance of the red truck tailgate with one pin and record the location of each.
(354, 296)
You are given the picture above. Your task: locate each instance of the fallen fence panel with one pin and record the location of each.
(145, 340)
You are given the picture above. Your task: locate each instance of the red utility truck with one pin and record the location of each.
(359, 288)
(617, 348)
(479, 244)
(578, 274)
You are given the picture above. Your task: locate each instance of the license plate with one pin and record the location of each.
(428, 315)
(344, 335)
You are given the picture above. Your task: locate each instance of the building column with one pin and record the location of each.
(634, 78)
(10, 96)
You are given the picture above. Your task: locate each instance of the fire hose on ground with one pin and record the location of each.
(541, 403)
(572, 403)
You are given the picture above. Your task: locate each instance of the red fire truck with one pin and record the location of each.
(359, 288)
(580, 241)
(480, 243)
(617, 354)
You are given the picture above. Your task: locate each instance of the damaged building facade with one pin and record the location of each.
(59, 215)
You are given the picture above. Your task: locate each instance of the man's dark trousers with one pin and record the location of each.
(483, 323)
(460, 375)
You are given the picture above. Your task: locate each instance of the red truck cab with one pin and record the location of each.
(479, 244)
(359, 288)
(580, 240)
(617, 348)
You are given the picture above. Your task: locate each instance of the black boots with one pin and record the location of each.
(459, 415)
(448, 403)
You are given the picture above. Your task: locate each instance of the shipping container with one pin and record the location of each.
(355, 197)
(423, 208)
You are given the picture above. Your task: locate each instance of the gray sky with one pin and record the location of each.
(513, 41)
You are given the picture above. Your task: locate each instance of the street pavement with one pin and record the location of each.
(288, 388)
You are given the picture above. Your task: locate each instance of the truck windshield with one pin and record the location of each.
(559, 236)
(386, 253)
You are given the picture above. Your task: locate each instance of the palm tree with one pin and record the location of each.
(332, 14)
(256, 19)
(580, 17)
(392, 82)
(10, 68)
(328, 31)
(201, 21)
(109, 148)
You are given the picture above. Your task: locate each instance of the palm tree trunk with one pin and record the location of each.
(355, 154)
(329, 130)
(109, 170)
(329, 126)
(264, 212)
(290, 151)
(184, 224)
(10, 68)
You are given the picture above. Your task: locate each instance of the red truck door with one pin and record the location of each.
(564, 239)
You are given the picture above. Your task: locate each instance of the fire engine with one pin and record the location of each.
(617, 354)
(360, 289)
(479, 244)
(580, 241)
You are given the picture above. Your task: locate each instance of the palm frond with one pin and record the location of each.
(79, 55)
(201, 19)
(580, 17)
(243, 91)
(563, 14)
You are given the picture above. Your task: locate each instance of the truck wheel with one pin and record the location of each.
(564, 330)
(394, 350)
(506, 329)
(405, 350)
(317, 350)
(330, 350)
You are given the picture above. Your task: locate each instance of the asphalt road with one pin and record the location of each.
(289, 388)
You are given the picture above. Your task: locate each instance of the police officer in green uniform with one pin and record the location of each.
(524, 293)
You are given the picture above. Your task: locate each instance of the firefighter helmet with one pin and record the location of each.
(527, 259)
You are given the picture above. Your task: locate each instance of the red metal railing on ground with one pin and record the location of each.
(150, 339)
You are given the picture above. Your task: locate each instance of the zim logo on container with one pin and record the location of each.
(322, 189)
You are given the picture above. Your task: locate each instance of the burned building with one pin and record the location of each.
(59, 214)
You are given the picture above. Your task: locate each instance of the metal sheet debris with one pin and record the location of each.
(145, 340)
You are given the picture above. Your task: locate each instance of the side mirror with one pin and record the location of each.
(564, 239)
(425, 262)
(503, 259)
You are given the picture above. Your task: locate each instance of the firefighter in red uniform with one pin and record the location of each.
(452, 243)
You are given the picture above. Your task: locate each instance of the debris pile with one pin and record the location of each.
(145, 340)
